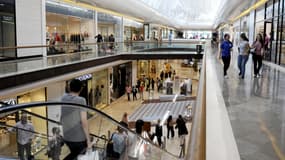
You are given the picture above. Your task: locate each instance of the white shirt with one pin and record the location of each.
(26, 135)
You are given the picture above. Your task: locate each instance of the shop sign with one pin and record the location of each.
(85, 77)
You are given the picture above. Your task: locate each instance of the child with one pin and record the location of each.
(55, 144)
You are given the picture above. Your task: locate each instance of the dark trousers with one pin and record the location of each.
(170, 129)
(75, 149)
(22, 149)
(257, 63)
(226, 61)
(129, 97)
(134, 96)
(159, 140)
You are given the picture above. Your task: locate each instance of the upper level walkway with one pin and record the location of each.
(254, 107)
(17, 72)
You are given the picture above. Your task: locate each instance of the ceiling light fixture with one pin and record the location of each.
(247, 11)
(91, 7)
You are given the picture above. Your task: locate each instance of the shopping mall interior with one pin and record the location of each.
(144, 79)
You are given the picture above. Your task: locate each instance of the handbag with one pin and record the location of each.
(110, 147)
(89, 155)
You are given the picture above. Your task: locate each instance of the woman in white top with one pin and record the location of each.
(243, 54)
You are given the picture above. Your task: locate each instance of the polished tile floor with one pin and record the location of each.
(256, 109)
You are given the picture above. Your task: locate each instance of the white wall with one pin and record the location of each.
(30, 26)
(134, 72)
(54, 93)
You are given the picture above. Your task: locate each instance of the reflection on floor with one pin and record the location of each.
(256, 107)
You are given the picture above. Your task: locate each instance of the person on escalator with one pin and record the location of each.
(55, 144)
(25, 134)
(74, 121)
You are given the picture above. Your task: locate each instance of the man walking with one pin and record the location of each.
(74, 121)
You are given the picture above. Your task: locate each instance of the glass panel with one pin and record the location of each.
(17, 128)
(7, 28)
(275, 43)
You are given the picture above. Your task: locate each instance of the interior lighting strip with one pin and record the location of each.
(91, 7)
(247, 11)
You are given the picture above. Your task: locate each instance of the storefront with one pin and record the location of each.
(122, 76)
(269, 23)
(197, 34)
(99, 93)
(68, 25)
(133, 31)
(7, 28)
(154, 69)
(109, 24)
(34, 116)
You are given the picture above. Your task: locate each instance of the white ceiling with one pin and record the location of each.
(181, 14)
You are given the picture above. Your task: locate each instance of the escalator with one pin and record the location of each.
(101, 128)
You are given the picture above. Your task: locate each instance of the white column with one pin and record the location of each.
(31, 27)
(251, 27)
(122, 29)
(134, 72)
(54, 93)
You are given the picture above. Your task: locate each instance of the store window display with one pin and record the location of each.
(100, 89)
(68, 28)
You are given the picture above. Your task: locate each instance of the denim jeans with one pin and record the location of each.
(242, 59)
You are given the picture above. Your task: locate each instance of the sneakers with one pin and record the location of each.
(257, 76)
(226, 77)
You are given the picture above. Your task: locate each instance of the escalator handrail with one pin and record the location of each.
(42, 117)
(41, 104)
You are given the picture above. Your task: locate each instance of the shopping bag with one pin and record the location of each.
(89, 155)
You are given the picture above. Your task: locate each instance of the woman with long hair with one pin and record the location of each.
(258, 45)
(243, 54)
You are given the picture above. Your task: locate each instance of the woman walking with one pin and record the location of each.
(226, 48)
(257, 55)
(243, 54)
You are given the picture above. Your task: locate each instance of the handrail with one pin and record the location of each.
(96, 43)
(41, 117)
(85, 107)
(197, 144)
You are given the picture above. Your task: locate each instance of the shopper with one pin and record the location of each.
(152, 83)
(134, 91)
(125, 120)
(128, 90)
(112, 41)
(243, 54)
(25, 134)
(141, 90)
(119, 143)
(182, 132)
(55, 144)
(74, 121)
(257, 55)
(170, 128)
(158, 132)
(226, 48)
(99, 38)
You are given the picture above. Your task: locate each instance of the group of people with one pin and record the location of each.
(244, 49)
(124, 143)
(110, 39)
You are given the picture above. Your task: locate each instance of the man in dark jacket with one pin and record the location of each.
(158, 132)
